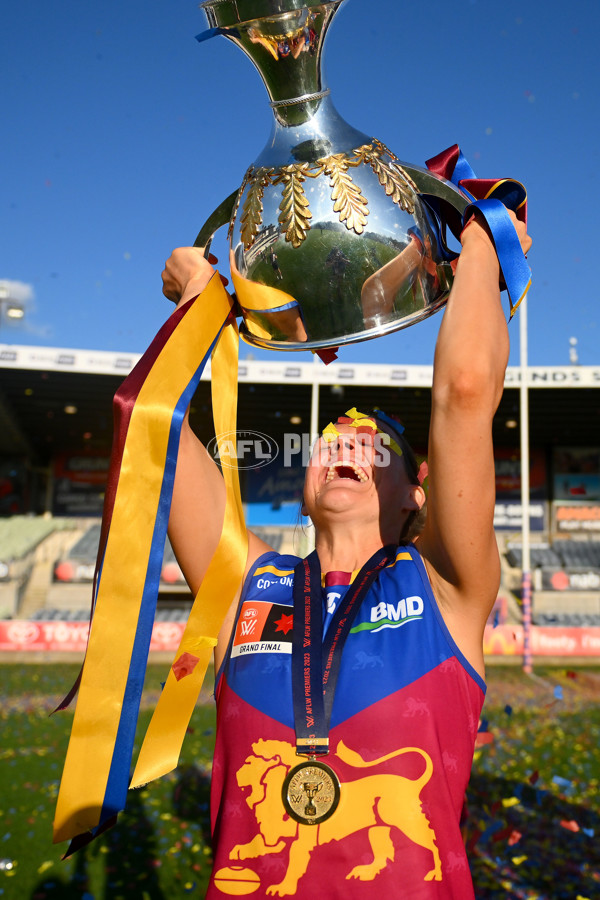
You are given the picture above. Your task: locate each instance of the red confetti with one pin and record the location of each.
(184, 665)
(503, 833)
(534, 777)
(473, 840)
(515, 837)
(569, 825)
(327, 354)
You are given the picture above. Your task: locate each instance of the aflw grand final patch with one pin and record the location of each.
(263, 627)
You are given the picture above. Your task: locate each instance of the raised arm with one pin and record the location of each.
(458, 542)
(198, 504)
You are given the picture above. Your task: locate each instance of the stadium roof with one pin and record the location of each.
(56, 400)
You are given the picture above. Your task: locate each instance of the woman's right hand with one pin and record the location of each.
(186, 274)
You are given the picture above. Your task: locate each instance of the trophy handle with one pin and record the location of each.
(445, 199)
(436, 186)
(221, 216)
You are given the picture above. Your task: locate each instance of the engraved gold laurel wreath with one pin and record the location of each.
(348, 199)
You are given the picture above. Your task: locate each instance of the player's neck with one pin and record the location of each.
(345, 550)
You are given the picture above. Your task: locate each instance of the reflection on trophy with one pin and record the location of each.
(333, 240)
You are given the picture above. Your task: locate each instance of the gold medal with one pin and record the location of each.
(311, 792)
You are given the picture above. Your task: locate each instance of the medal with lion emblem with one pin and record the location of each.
(311, 792)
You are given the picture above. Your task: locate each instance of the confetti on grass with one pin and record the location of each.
(145, 856)
(534, 789)
(540, 845)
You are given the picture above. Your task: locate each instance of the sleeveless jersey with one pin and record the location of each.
(402, 732)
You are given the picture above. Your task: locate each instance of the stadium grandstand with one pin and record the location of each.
(55, 440)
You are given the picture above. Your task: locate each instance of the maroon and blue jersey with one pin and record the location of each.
(401, 738)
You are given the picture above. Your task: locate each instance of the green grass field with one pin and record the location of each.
(533, 825)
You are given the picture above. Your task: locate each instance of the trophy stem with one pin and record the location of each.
(284, 39)
(322, 134)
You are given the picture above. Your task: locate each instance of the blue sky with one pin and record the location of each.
(122, 134)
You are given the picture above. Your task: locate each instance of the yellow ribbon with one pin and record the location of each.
(254, 296)
(160, 750)
(104, 677)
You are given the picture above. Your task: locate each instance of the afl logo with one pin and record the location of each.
(250, 613)
(243, 449)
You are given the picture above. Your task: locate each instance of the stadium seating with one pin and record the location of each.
(26, 544)
(561, 553)
(87, 546)
(49, 614)
(578, 553)
(540, 556)
(24, 541)
(20, 535)
(566, 619)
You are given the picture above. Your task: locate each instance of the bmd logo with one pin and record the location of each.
(243, 449)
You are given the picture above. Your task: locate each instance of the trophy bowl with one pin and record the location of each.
(332, 238)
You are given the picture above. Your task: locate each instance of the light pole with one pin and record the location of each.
(525, 541)
(573, 354)
(10, 308)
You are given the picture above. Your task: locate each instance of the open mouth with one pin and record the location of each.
(346, 470)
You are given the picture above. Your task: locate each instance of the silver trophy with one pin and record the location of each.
(333, 240)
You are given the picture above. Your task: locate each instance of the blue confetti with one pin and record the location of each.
(560, 781)
(491, 829)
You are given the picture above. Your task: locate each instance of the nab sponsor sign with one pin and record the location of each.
(571, 579)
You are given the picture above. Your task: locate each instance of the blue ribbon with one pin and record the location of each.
(513, 264)
(462, 170)
(393, 423)
(214, 32)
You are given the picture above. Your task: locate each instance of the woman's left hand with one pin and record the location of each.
(186, 273)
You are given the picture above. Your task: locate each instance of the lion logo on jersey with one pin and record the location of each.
(376, 802)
